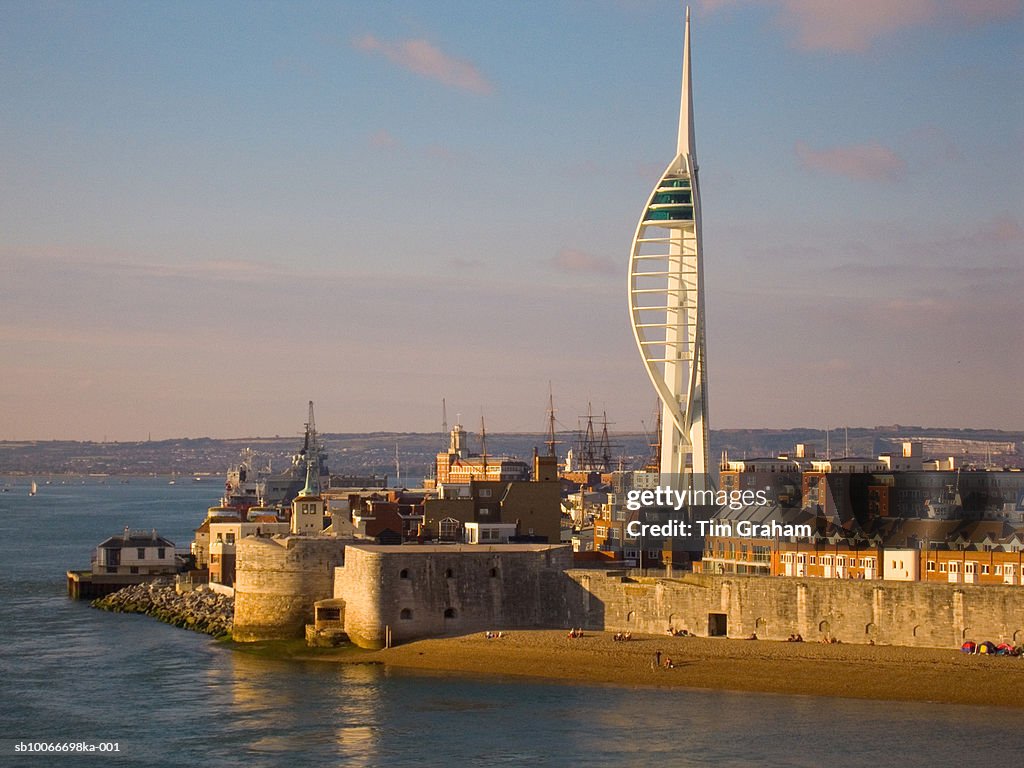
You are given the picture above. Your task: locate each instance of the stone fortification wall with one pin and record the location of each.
(429, 591)
(897, 613)
(277, 580)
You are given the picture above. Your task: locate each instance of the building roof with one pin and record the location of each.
(205, 526)
(414, 549)
(136, 539)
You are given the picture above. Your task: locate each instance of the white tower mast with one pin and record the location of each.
(666, 300)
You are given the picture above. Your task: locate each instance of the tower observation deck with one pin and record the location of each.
(666, 301)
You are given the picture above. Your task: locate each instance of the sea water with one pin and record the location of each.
(165, 696)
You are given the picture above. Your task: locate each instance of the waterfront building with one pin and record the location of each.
(666, 299)
(224, 536)
(201, 541)
(136, 553)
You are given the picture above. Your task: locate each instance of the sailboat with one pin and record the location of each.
(33, 489)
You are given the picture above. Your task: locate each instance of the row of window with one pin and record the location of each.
(840, 560)
(971, 567)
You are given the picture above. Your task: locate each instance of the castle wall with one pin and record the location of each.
(853, 611)
(426, 591)
(433, 590)
(277, 580)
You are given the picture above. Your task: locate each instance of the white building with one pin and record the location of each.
(901, 564)
(135, 552)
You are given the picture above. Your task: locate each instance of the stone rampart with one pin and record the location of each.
(426, 591)
(431, 590)
(852, 611)
(277, 580)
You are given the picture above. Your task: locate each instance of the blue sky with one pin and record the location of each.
(213, 212)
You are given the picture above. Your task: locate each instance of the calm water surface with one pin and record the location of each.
(171, 697)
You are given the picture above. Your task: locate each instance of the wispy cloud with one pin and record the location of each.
(866, 162)
(842, 25)
(384, 139)
(1003, 228)
(427, 60)
(575, 261)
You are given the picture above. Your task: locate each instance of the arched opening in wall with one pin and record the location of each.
(1018, 636)
(449, 613)
(871, 630)
(917, 630)
(493, 573)
(824, 627)
(404, 573)
(449, 573)
(965, 633)
(630, 617)
(760, 625)
(405, 614)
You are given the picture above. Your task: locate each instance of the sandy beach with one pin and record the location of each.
(855, 671)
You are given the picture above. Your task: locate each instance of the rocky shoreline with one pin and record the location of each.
(200, 610)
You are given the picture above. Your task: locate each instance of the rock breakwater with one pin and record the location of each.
(200, 610)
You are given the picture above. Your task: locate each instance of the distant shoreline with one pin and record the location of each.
(883, 673)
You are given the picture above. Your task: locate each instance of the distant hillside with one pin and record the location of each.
(374, 452)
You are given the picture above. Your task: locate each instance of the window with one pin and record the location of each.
(405, 615)
(141, 553)
(449, 528)
(404, 573)
(231, 538)
(814, 559)
(161, 554)
(984, 570)
(485, 493)
(999, 570)
(134, 569)
(601, 532)
(942, 567)
(449, 613)
(448, 573)
(931, 565)
(494, 573)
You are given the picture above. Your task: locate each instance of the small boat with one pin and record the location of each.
(33, 489)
